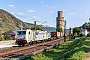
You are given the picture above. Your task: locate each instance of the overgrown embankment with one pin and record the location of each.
(70, 50)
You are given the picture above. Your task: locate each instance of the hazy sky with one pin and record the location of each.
(75, 12)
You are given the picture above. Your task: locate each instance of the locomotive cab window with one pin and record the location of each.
(21, 32)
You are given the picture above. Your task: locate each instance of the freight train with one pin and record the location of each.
(29, 36)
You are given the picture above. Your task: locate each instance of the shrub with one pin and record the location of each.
(71, 37)
(7, 37)
(76, 31)
(0, 35)
(88, 35)
(81, 35)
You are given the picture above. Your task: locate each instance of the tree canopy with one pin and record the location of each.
(59, 29)
(88, 35)
(76, 31)
(0, 35)
(37, 28)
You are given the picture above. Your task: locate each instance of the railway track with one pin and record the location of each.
(18, 51)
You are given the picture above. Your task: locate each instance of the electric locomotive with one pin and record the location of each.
(28, 36)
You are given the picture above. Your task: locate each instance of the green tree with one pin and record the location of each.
(89, 24)
(77, 31)
(75, 34)
(59, 29)
(81, 35)
(88, 35)
(37, 28)
(0, 35)
(89, 19)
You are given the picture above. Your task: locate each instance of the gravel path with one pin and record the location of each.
(9, 43)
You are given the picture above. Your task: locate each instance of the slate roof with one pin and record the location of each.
(10, 32)
(85, 25)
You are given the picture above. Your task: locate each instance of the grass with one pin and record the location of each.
(70, 50)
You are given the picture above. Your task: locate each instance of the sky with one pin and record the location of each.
(75, 12)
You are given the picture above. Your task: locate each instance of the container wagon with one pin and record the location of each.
(56, 34)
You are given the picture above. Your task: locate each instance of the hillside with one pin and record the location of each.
(49, 29)
(8, 21)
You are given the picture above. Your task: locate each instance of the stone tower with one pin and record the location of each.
(70, 31)
(60, 20)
